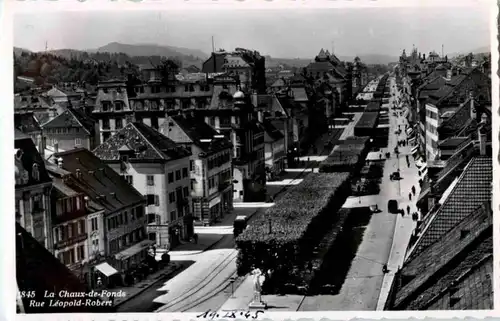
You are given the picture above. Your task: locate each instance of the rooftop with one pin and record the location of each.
(72, 118)
(26, 123)
(146, 143)
(474, 187)
(453, 273)
(197, 130)
(27, 156)
(98, 181)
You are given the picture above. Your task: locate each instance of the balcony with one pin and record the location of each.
(70, 241)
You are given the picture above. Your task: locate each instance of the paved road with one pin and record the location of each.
(364, 280)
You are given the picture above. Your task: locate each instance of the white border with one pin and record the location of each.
(7, 251)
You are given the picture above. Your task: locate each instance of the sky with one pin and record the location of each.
(284, 33)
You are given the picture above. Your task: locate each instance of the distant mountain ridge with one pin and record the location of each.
(150, 50)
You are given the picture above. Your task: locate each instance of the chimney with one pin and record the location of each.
(56, 147)
(60, 162)
(86, 201)
(449, 73)
(78, 173)
(473, 113)
(260, 116)
(482, 134)
(113, 195)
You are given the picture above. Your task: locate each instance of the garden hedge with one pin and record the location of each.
(347, 156)
(283, 237)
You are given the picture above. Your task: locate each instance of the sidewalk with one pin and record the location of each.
(141, 286)
(205, 242)
(404, 225)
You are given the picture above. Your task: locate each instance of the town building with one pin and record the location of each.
(470, 87)
(210, 166)
(274, 150)
(32, 191)
(43, 108)
(112, 110)
(26, 123)
(359, 76)
(329, 69)
(159, 170)
(77, 224)
(232, 114)
(71, 129)
(39, 272)
(452, 248)
(247, 65)
(125, 240)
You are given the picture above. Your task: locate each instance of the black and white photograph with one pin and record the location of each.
(224, 162)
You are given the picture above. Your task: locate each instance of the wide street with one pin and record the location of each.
(385, 231)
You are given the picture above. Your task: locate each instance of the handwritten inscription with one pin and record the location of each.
(230, 314)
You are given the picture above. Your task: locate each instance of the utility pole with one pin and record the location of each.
(46, 45)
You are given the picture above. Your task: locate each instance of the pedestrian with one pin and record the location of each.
(408, 209)
(413, 189)
(385, 269)
(409, 196)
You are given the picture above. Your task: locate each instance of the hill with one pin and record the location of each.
(151, 50)
(369, 59)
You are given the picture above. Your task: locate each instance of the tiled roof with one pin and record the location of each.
(452, 142)
(472, 190)
(98, 180)
(197, 130)
(28, 155)
(457, 121)
(148, 143)
(463, 251)
(39, 271)
(26, 123)
(71, 118)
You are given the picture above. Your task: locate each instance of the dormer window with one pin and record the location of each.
(35, 172)
(118, 105)
(105, 90)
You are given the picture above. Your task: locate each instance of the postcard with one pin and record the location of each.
(243, 160)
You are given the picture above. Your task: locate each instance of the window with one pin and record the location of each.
(78, 141)
(124, 158)
(150, 180)
(105, 136)
(81, 253)
(93, 224)
(129, 179)
(157, 200)
(171, 197)
(193, 182)
(172, 216)
(82, 226)
(106, 105)
(191, 165)
(37, 203)
(151, 199)
(171, 177)
(72, 256)
(118, 123)
(186, 191)
(139, 212)
(36, 172)
(184, 172)
(105, 124)
(118, 105)
(177, 174)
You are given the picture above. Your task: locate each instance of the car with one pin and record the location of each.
(395, 176)
(392, 206)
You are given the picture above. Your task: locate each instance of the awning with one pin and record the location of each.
(106, 269)
(134, 249)
(405, 113)
(409, 131)
(214, 202)
(414, 149)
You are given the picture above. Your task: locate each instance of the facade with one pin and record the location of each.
(26, 123)
(125, 240)
(274, 149)
(246, 65)
(232, 114)
(71, 129)
(78, 227)
(470, 86)
(210, 166)
(112, 110)
(329, 69)
(159, 170)
(32, 190)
